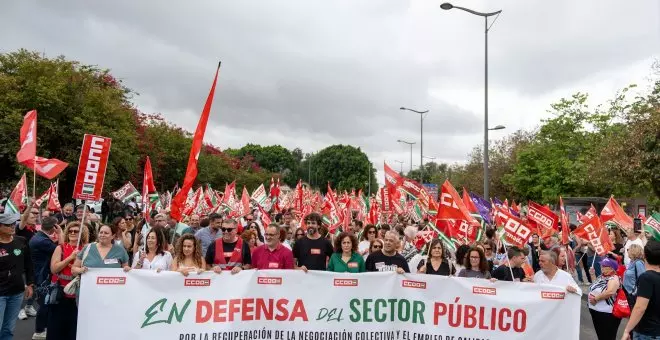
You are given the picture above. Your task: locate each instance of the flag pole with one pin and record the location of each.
(34, 179)
(506, 252)
(82, 222)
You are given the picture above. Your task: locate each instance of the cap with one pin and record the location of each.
(9, 218)
(607, 262)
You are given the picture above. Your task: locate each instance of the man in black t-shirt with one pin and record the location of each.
(228, 252)
(388, 260)
(645, 318)
(516, 260)
(313, 251)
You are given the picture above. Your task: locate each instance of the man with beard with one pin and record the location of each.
(312, 251)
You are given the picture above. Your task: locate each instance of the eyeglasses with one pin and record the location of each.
(270, 235)
(489, 248)
(371, 232)
(300, 234)
(227, 230)
(249, 219)
(74, 231)
(475, 258)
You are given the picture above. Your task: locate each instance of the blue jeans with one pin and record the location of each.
(637, 336)
(9, 308)
(590, 259)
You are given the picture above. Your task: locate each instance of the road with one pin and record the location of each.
(24, 329)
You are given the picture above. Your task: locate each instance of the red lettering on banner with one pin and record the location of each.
(413, 284)
(263, 280)
(345, 282)
(197, 282)
(110, 280)
(553, 295)
(232, 310)
(456, 315)
(484, 290)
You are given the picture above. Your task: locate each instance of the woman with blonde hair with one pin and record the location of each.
(634, 269)
(63, 315)
(188, 256)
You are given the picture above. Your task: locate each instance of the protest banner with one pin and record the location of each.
(293, 305)
(91, 168)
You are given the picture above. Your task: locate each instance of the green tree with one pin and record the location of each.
(345, 167)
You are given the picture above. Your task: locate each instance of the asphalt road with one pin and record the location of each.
(24, 329)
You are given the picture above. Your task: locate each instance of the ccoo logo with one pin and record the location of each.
(110, 280)
(413, 284)
(484, 290)
(197, 282)
(553, 295)
(346, 283)
(264, 280)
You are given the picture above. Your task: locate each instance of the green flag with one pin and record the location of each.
(652, 226)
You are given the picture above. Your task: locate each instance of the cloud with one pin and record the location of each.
(314, 73)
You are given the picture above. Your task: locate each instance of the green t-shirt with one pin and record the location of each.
(354, 265)
(116, 258)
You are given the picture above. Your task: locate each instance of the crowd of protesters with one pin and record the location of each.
(41, 254)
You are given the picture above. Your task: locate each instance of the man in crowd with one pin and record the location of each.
(66, 215)
(633, 238)
(516, 260)
(209, 234)
(228, 252)
(551, 274)
(272, 254)
(644, 321)
(356, 228)
(26, 229)
(312, 251)
(388, 259)
(42, 245)
(15, 259)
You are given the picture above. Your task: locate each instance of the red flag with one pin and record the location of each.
(453, 208)
(93, 162)
(28, 150)
(53, 200)
(543, 216)
(613, 211)
(195, 149)
(589, 215)
(564, 222)
(245, 202)
(515, 207)
(147, 188)
(594, 232)
(265, 218)
(468, 202)
(19, 195)
(516, 231)
(46, 167)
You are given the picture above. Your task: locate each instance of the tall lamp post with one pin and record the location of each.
(421, 142)
(411, 144)
(401, 164)
(448, 6)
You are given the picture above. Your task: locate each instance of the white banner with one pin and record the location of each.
(292, 305)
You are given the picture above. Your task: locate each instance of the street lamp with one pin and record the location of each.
(448, 6)
(411, 144)
(401, 164)
(499, 127)
(421, 141)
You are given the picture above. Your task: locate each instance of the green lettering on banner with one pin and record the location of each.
(355, 312)
(158, 307)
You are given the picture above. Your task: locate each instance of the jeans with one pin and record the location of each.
(590, 259)
(9, 308)
(638, 336)
(42, 314)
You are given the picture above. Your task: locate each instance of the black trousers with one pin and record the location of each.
(606, 325)
(63, 320)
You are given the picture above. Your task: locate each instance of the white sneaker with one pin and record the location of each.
(30, 311)
(39, 336)
(22, 315)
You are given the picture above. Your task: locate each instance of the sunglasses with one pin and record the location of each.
(377, 247)
(371, 232)
(489, 248)
(300, 234)
(227, 230)
(74, 231)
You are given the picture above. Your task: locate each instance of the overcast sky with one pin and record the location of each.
(312, 73)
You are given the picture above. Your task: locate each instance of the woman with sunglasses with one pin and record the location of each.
(369, 234)
(375, 245)
(255, 226)
(63, 316)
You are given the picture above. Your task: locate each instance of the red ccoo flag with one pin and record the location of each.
(195, 149)
(46, 167)
(28, 149)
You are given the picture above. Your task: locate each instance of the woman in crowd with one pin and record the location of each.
(561, 258)
(475, 264)
(617, 241)
(299, 234)
(461, 254)
(154, 256)
(602, 294)
(489, 246)
(346, 259)
(188, 256)
(123, 236)
(375, 245)
(63, 316)
(383, 229)
(255, 226)
(249, 236)
(102, 254)
(437, 263)
(634, 270)
(368, 235)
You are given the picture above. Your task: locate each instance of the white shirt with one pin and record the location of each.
(561, 279)
(626, 258)
(162, 262)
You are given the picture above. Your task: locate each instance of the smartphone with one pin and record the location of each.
(637, 225)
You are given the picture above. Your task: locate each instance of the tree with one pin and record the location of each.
(345, 167)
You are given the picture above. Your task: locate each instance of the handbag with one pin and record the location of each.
(72, 287)
(621, 308)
